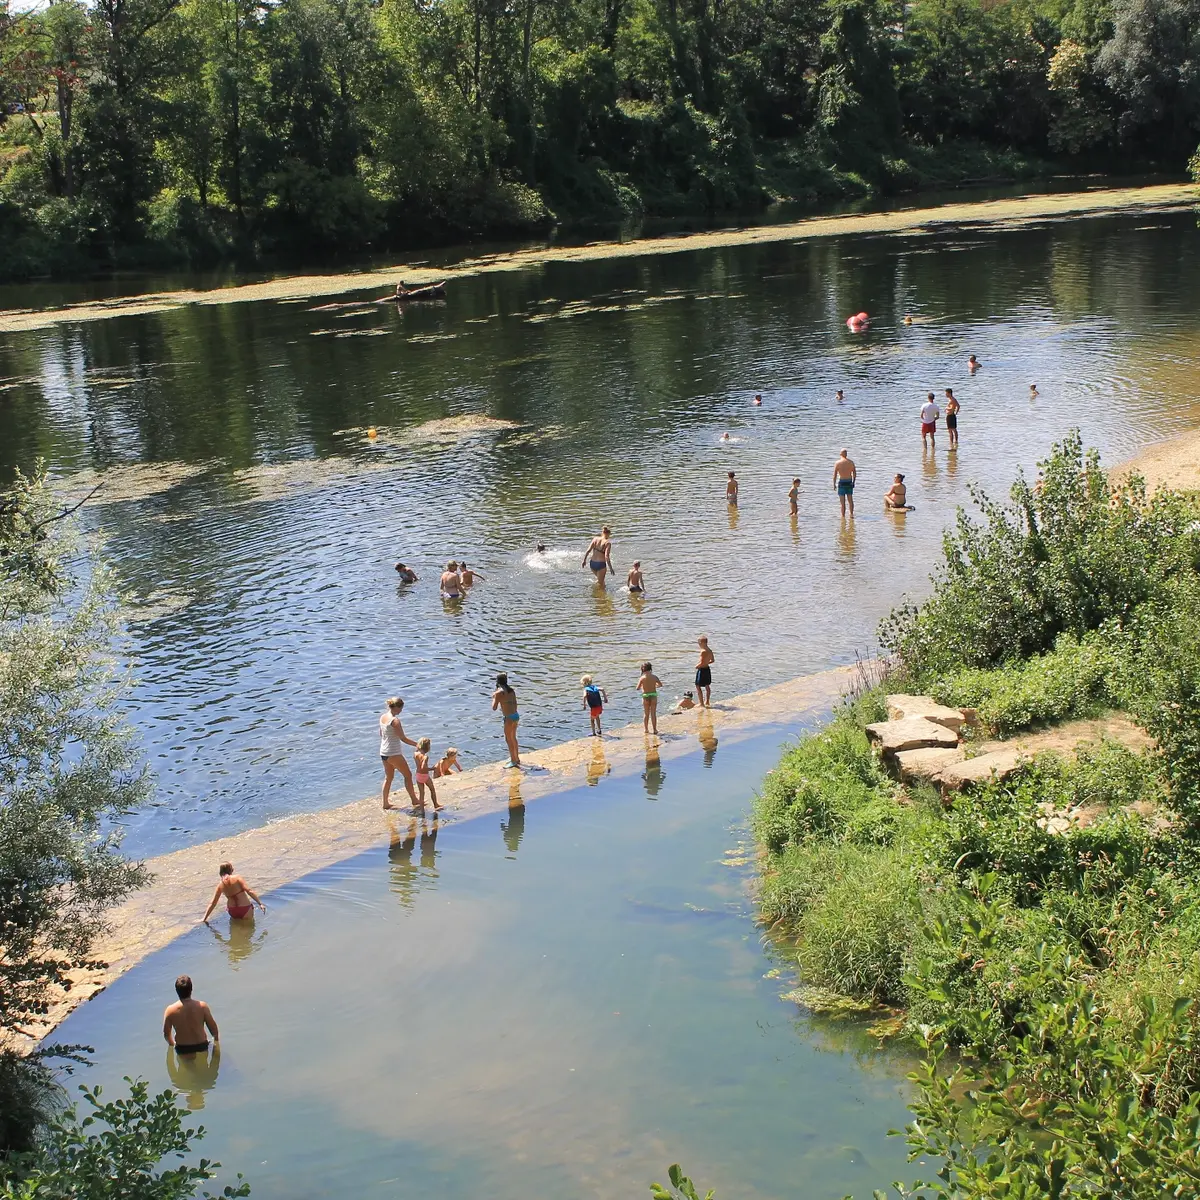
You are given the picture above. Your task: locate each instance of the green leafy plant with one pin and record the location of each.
(682, 1188)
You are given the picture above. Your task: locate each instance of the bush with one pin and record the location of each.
(115, 1153)
(1068, 554)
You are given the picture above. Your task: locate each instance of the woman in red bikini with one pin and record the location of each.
(238, 895)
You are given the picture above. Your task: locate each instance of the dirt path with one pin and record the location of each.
(990, 213)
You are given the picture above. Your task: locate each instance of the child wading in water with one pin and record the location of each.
(594, 700)
(447, 763)
(704, 674)
(424, 775)
(648, 684)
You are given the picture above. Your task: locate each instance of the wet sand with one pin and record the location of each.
(990, 213)
(281, 853)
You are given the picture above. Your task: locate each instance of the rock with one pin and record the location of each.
(1000, 763)
(892, 737)
(926, 763)
(902, 707)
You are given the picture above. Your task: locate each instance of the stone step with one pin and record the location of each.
(912, 733)
(902, 706)
(999, 763)
(926, 763)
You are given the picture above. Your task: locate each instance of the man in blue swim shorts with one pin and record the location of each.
(844, 475)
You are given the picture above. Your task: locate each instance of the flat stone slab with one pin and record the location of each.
(1000, 763)
(913, 733)
(926, 763)
(902, 706)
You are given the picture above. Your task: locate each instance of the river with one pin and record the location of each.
(255, 524)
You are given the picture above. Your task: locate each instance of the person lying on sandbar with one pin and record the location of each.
(896, 499)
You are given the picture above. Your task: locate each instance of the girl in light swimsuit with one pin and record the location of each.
(238, 895)
(598, 555)
(451, 583)
(424, 776)
(504, 699)
(648, 684)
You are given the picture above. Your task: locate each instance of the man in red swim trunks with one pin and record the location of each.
(929, 419)
(186, 1021)
(238, 895)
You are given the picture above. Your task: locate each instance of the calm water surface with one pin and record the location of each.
(558, 1000)
(256, 525)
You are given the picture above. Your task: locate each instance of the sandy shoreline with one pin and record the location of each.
(274, 855)
(1173, 463)
(991, 213)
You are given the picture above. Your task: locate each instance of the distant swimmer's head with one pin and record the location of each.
(452, 565)
(845, 452)
(606, 531)
(462, 565)
(732, 475)
(395, 703)
(724, 437)
(1033, 387)
(758, 398)
(702, 640)
(688, 695)
(541, 547)
(949, 392)
(840, 394)
(899, 478)
(226, 868)
(502, 682)
(796, 482)
(908, 318)
(972, 359)
(452, 752)
(183, 987)
(585, 680)
(637, 564)
(423, 745)
(401, 567)
(647, 666)
(929, 396)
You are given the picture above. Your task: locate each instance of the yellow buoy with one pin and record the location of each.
(372, 432)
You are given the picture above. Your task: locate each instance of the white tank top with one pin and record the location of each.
(389, 739)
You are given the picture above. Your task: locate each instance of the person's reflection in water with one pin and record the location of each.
(243, 939)
(401, 869)
(653, 775)
(733, 515)
(951, 466)
(603, 602)
(846, 539)
(795, 521)
(898, 519)
(708, 739)
(637, 601)
(514, 828)
(599, 766)
(429, 834)
(192, 1075)
(929, 464)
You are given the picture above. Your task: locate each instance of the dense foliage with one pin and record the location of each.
(192, 129)
(115, 1152)
(1047, 926)
(68, 767)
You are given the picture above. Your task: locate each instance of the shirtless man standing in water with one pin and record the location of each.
(598, 555)
(844, 475)
(187, 1022)
(240, 897)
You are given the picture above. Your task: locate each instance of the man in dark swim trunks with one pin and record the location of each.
(185, 1021)
(704, 674)
(844, 475)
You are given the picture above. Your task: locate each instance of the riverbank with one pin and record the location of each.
(285, 851)
(991, 214)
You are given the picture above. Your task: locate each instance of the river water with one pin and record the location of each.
(565, 1000)
(256, 525)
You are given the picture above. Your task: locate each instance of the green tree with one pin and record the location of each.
(68, 764)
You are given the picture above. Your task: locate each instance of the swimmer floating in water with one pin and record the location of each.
(725, 437)
(757, 399)
(839, 396)
(973, 364)
(1033, 392)
(407, 574)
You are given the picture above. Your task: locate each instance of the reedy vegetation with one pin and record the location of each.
(195, 129)
(1061, 967)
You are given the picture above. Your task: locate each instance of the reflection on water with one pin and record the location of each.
(708, 739)
(847, 539)
(408, 878)
(598, 766)
(257, 526)
(513, 827)
(192, 1075)
(566, 1021)
(242, 940)
(653, 775)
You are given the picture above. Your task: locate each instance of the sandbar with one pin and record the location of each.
(274, 855)
(1012, 213)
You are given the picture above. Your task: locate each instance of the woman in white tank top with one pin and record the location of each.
(392, 741)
